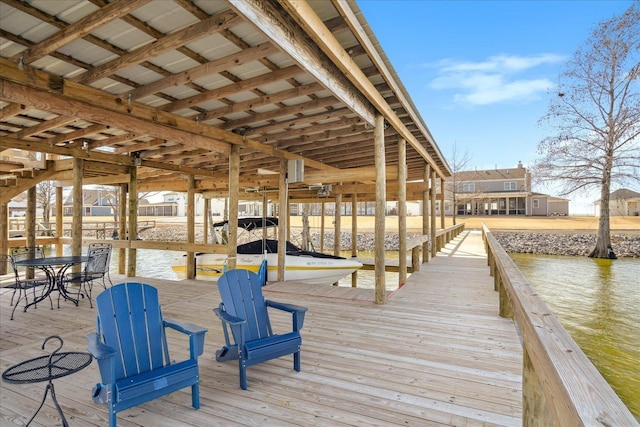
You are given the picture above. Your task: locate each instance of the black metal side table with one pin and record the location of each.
(48, 368)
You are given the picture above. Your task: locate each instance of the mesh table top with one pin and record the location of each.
(47, 368)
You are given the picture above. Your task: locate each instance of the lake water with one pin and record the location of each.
(597, 301)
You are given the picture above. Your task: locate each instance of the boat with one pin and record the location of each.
(300, 265)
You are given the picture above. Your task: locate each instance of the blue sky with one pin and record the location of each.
(481, 72)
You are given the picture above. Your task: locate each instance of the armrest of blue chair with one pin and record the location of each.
(227, 318)
(297, 311)
(104, 355)
(236, 324)
(195, 332)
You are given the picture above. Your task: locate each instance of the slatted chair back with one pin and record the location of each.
(20, 253)
(243, 310)
(22, 281)
(27, 252)
(242, 297)
(132, 353)
(130, 321)
(99, 261)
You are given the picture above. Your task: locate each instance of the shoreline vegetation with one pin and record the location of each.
(573, 236)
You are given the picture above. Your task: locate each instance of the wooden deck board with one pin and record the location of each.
(435, 354)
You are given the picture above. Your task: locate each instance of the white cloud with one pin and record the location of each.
(497, 79)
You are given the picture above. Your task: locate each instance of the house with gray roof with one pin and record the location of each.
(499, 192)
(622, 202)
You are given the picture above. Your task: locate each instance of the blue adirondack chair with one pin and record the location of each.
(132, 351)
(243, 311)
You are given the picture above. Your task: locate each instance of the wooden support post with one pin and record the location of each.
(402, 211)
(122, 228)
(506, 310)
(76, 227)
(288, 212)
(442, 223)
(415, 258)
(205, 221)
(30, 217)
(432, 210)
(133, 220)
(323, 211)
(282, 220)
(59, 220)
(191, 226)
(381, 202)
(234, 197)
(265, 213)
(535, 411)
(4, 234)
(337, 229)
(426, 246)
(354, 236)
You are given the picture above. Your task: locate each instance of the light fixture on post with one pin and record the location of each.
(137, 161)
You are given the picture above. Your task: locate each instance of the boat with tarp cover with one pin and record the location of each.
(300, 265)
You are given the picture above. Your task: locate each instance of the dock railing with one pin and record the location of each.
(560, 386)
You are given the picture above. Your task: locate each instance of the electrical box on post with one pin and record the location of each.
(296, 171)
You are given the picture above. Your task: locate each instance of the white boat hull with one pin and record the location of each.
(308, 269)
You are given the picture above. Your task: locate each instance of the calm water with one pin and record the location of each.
(598, 303)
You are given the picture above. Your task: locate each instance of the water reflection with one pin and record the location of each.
(598, 302)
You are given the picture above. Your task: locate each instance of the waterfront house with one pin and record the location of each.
(499, 192)
(622, 202)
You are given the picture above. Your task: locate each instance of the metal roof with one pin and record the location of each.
(177, 83)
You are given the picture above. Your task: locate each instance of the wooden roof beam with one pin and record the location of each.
(318, 32)
(215, 66)
(113, 140)
(293, 41)
(79, 29)
(66, 105)
(94, 105)
(59, 121)
(11, 110)
(233, 88)
(281, 112)
(267, 99)
(193, 32)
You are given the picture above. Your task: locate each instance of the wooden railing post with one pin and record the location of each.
(535, 411)
(561, 387)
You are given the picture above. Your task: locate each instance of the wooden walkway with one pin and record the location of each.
(435, 354)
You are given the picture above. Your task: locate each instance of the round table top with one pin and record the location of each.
(46, 368)
(53, 260)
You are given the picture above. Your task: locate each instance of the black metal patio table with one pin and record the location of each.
(55, 278)
(48, 368)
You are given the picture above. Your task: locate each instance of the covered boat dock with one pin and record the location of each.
(435, 354)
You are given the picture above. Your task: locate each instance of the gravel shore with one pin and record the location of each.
(544, 243)
(565, 244)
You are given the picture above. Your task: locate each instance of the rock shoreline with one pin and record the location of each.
(565, 244)
(544, 243)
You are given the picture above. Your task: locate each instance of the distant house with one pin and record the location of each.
(94, 203)
(172, 205)
(545, 205)
(499, 192)
(99, 203)
(622, 202)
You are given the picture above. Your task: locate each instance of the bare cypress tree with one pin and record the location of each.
(459, 162)
(45, 192)
(596, 118)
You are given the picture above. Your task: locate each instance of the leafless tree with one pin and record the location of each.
(305, 226)
(45, 193)
(111, 196)
(459, 162)
(596, 118)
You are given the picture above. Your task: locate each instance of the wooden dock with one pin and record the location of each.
(436, 354)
